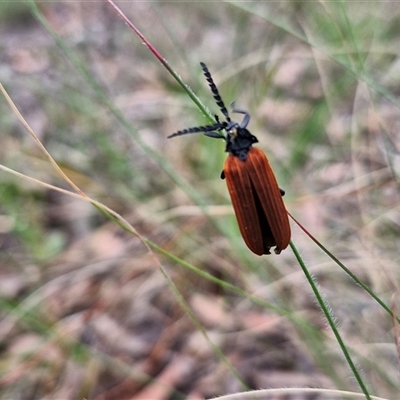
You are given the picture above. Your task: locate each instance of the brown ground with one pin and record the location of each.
(86, 310)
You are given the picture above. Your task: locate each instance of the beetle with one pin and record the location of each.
(256, 198)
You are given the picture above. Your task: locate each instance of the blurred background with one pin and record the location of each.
(86, 311)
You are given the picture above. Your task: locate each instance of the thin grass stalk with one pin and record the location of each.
(165, 63)
(327, 311)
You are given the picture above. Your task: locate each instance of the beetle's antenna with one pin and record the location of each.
(215, 92)
(199, 129)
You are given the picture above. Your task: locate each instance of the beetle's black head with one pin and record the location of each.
(239, 141)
